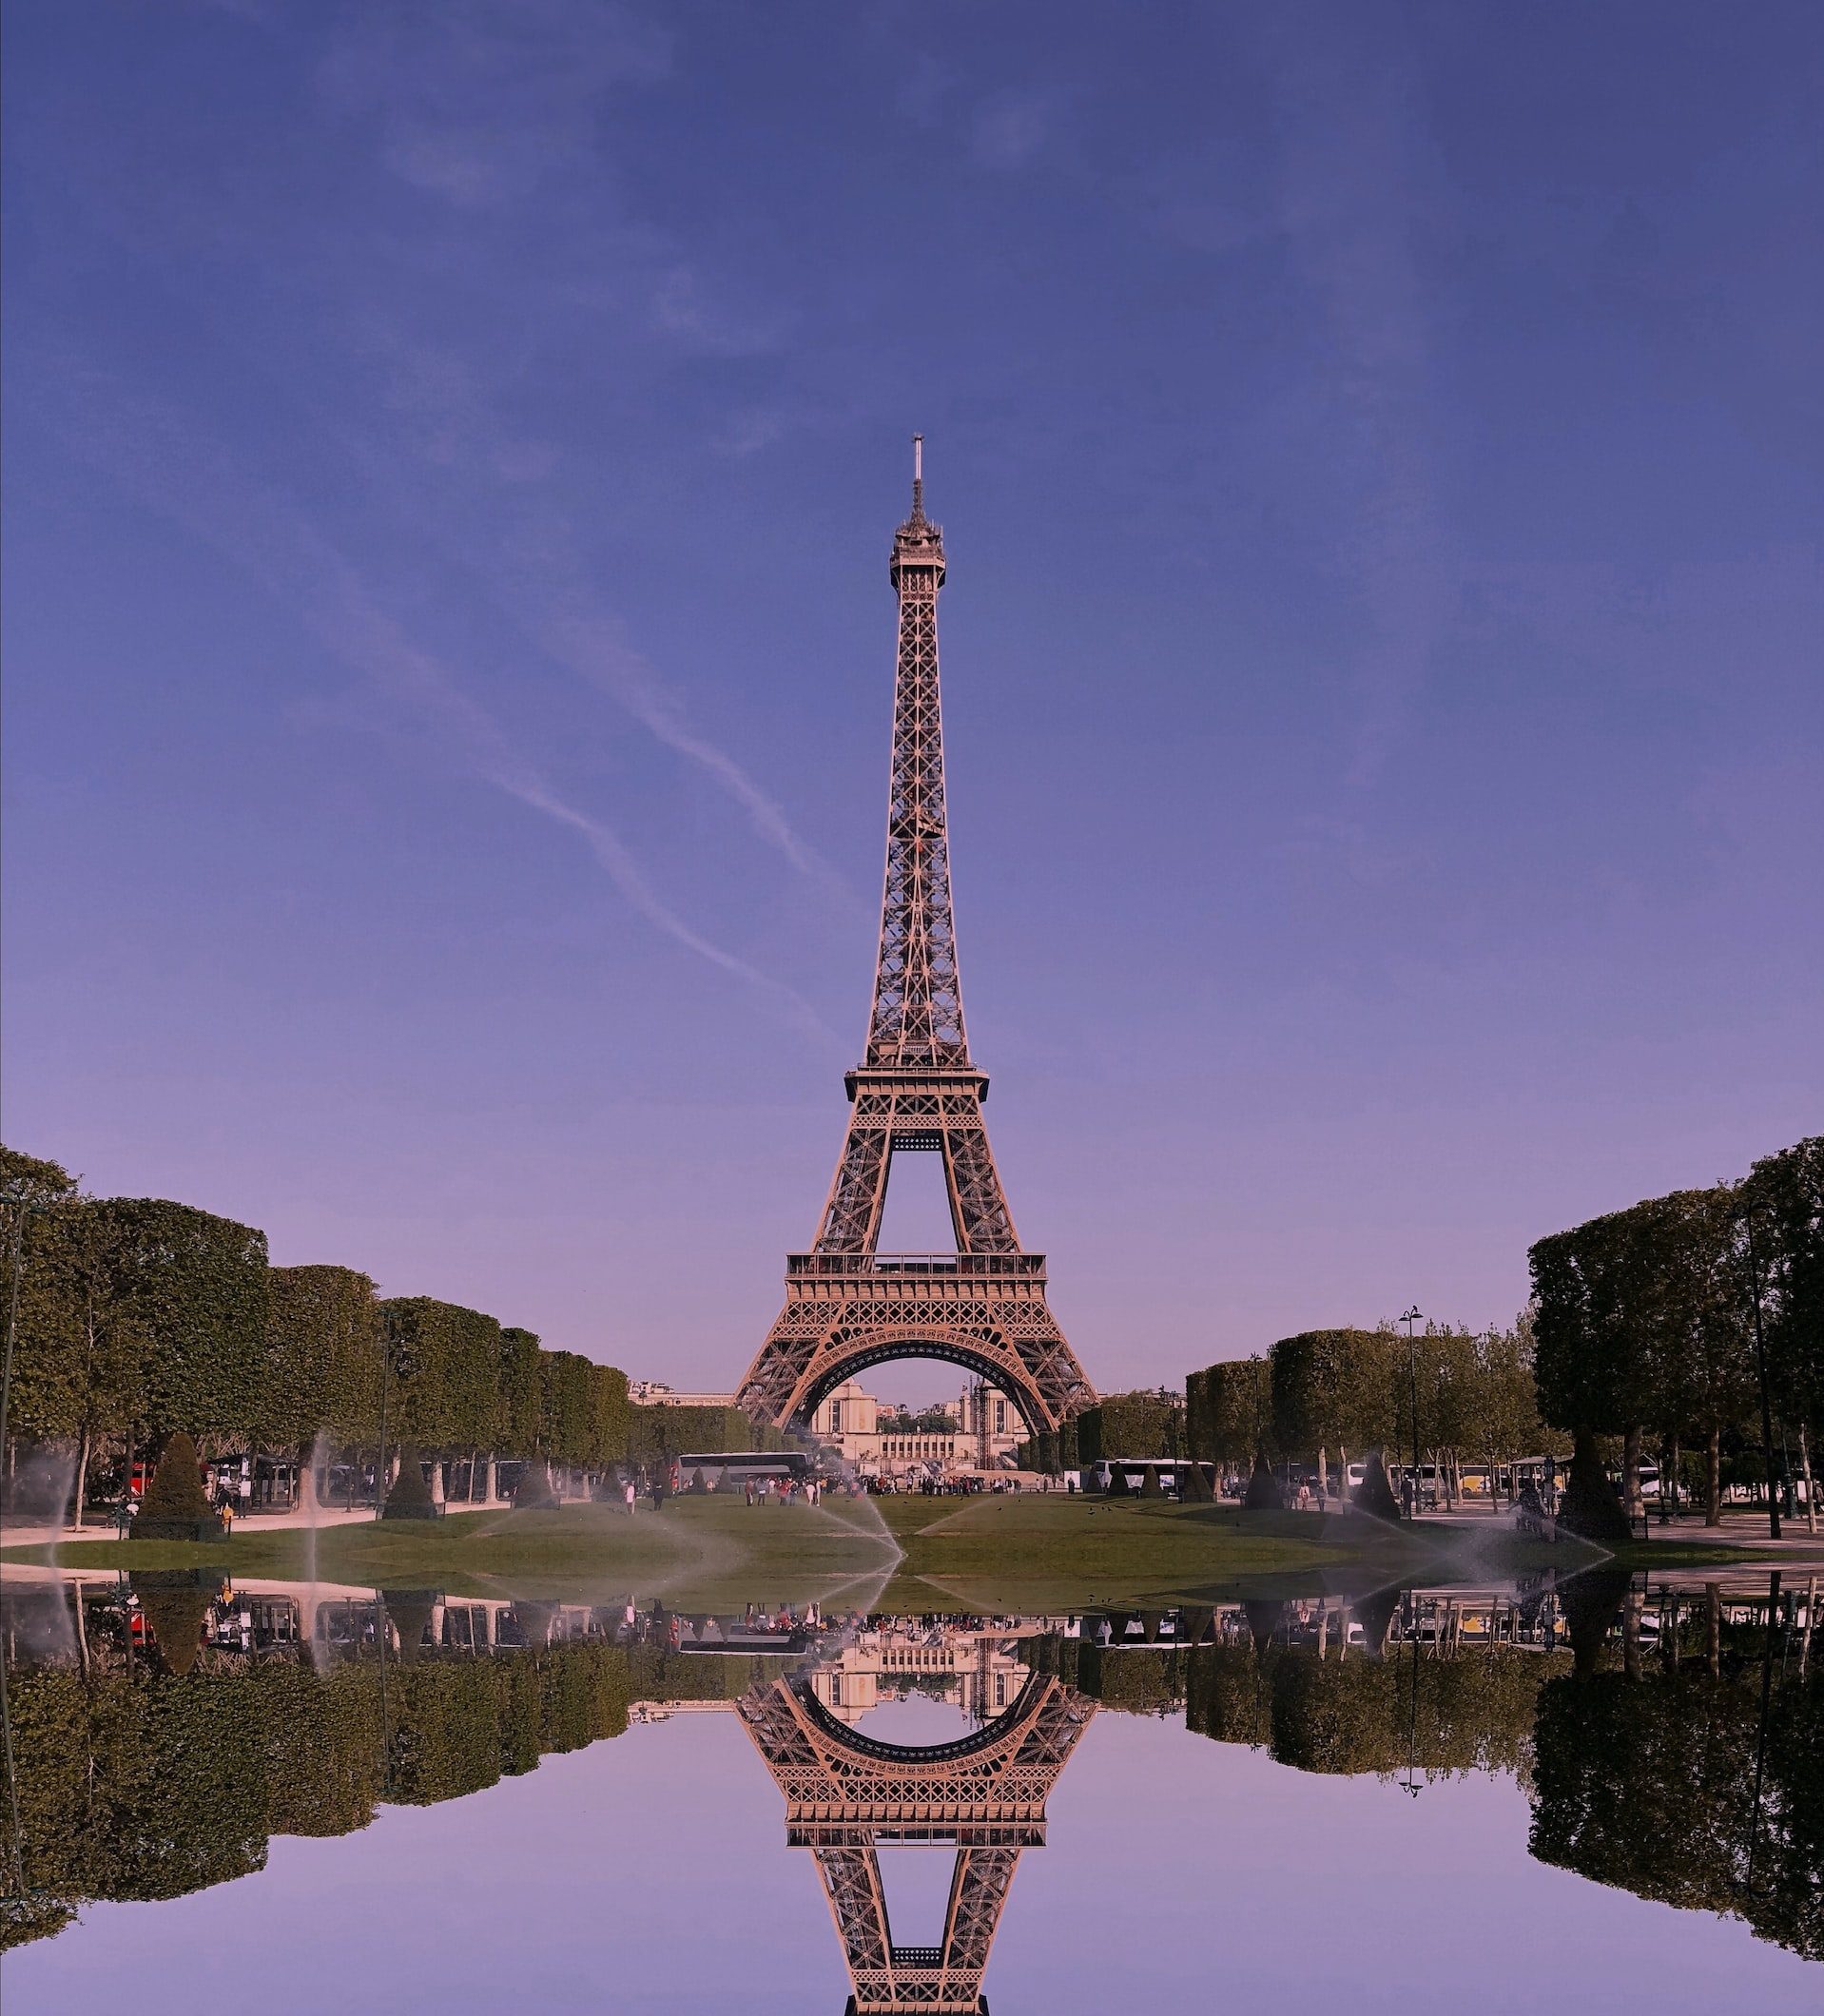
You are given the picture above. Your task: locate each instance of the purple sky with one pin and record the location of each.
(451, 453)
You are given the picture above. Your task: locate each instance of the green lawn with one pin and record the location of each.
(1030, 1552)
(1049, 1551)
(695, 1550)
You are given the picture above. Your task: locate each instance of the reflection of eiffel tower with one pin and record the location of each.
(847, 1796)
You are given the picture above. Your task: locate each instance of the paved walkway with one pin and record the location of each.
(1740, 1528)
(20, 1536)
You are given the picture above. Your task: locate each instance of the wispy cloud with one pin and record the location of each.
(165, 464)
(479, 101)
(536, 577)
(1009, 127)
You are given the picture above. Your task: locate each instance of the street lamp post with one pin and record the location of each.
(1412, 1316)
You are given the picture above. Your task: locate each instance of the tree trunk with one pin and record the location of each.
(1670, 1480)
(1713, 1628)
(1323, 1477)
(1343, 1472)
(1713, 1476)
(1805, 1472)
(1631, 1474)
(1631, 1632)
(82, 1476)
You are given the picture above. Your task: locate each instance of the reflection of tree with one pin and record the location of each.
(136, 1785)
(321, 1743)
(1649, 1783)
(133, 1782)
(1699, 1784)
(1471, 1712)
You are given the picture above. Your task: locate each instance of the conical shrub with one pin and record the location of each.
(1149, 1485)
(176, 1489)
(1193, 1486)
(410, 1496)
(1374, 1495)
(1590, 1506)
(1118, 1481)
(1263, 1494)
(533, 1492)
(698, 1483)
(174, 1507)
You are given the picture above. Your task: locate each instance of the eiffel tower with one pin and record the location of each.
(848, 1305)
(847, 1796)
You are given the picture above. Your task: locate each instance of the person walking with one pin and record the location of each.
(629, 1493)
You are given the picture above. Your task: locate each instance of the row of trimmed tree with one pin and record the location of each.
(1685, 1318)
(1461, 1398)
(1677, 1323)
(133, 1319)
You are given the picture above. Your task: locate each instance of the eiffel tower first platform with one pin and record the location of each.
(848, 1305)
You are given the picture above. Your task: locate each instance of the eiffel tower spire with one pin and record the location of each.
(918, 994)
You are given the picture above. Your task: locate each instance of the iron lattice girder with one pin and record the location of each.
(916, 1017)
(842, 1805)
(917, 1092)
(901, 1111)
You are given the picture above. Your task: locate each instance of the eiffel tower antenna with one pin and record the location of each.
(916, 1091)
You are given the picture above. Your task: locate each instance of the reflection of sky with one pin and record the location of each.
(650, 1872)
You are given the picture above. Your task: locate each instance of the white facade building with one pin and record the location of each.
(980, 1430)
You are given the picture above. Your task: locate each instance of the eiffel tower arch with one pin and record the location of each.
(847, 1796)
(849, 1306)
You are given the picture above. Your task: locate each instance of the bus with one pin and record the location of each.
(1097, 1476)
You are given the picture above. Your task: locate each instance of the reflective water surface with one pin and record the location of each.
(1607, 1794)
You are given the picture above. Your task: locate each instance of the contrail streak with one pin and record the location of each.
(148, 451)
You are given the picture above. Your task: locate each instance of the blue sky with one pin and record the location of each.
(451, 453)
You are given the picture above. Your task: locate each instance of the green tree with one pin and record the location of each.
(1313, 1400)
(446, 1396)
(610, 1416)
(1146, 1423)
(520, 1405)
(1228, 1411)
(323, 1364)
(190, 1289)
(78, 1346)
(565, 1433)
(1783, 1198)
(1583, 1365)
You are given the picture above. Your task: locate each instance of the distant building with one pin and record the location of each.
(655, 1393)
(980, 1430)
